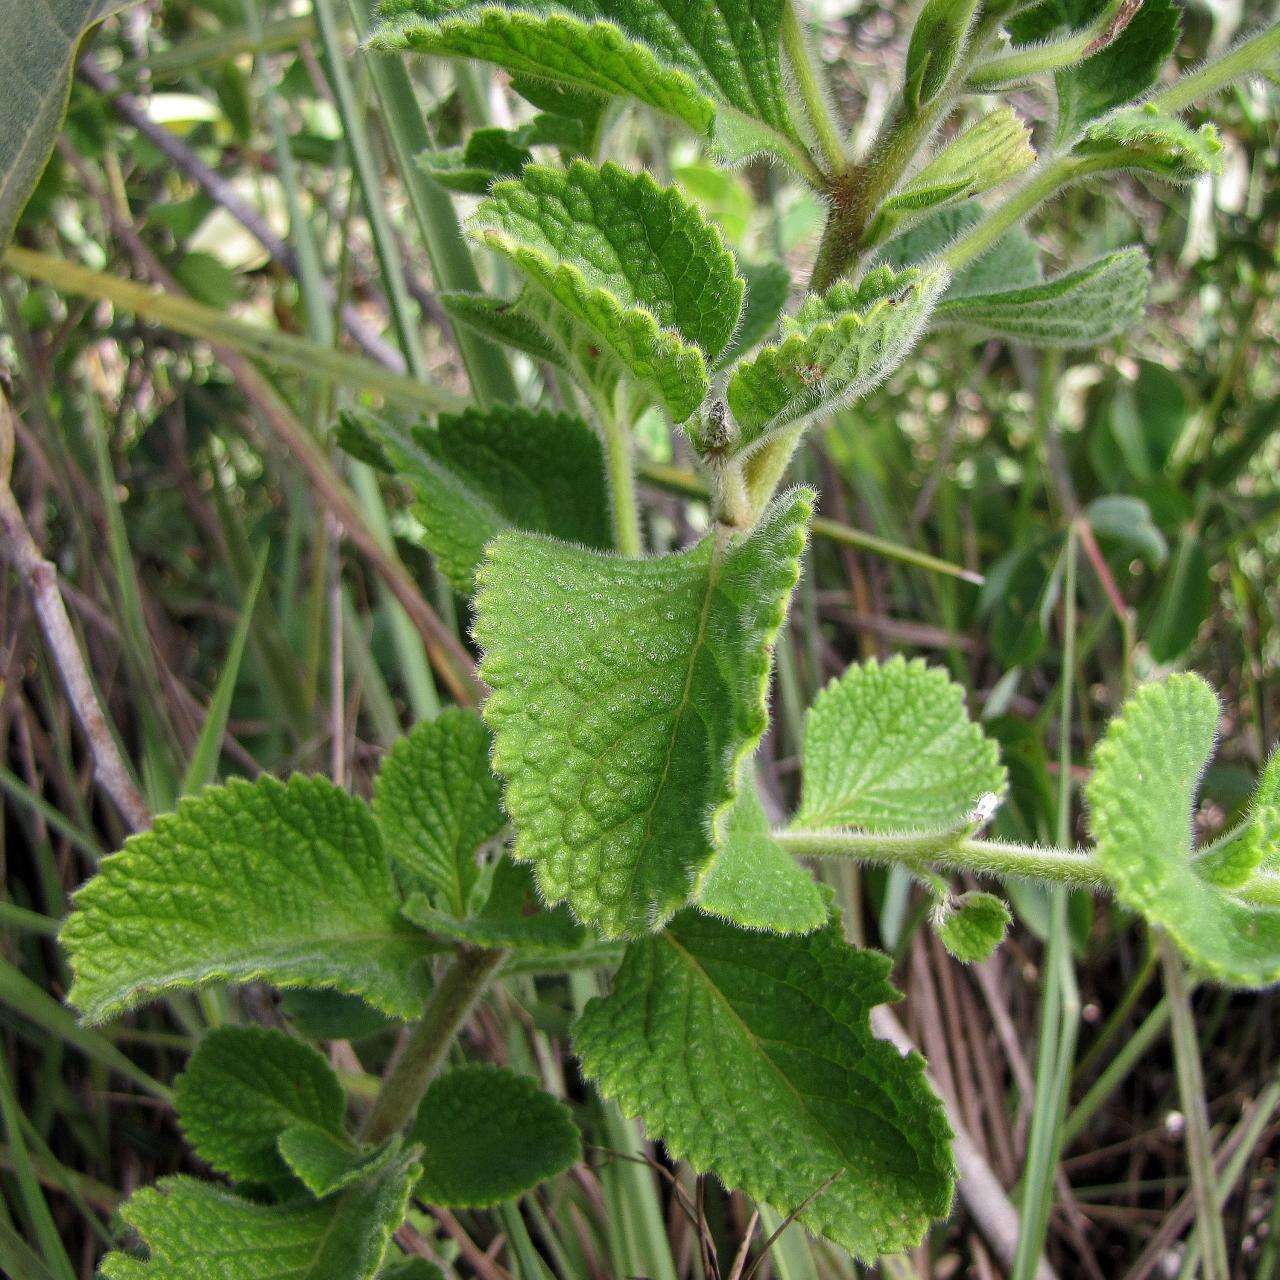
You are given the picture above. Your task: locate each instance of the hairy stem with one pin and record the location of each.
(1249, 56)
(620, 466)
(421, 1055)
(817, 111)
(918, 850)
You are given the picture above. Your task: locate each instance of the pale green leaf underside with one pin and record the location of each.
(1142, 795)
(836, 349)
(1157, 144)
(490, 154)
(243, 1087)
(504, 321)
(889, 747)
(991, 151)
(636, 264)
(196, 1231)
(488, 1135)
(973, 926)
(625, 694)
(1078, 308)
(437, 801)
(714, 66)
(512, 917)
(36, 62)
(483, 471)
(751, 1056)
(326, 1163)
(288, 883)
(754, 882)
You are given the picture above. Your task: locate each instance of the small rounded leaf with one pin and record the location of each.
(488, 1135)
(972, 926)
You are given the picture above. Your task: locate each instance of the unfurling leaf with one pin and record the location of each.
(633, 265)
(1142, 796)
(488, 1135)
(490, 154)
(889, 747)
(326, 1163)
(834, 350)
(437, 801)
(752, 1057)
(511, 917)
(194, 1230)
(483, 471)
(1156, 144)
(243, 1087)
(754, 882)
(625, 695)
(937, 42)
(1078, 308)
(287, 882)
(972, 926)
(991, 151)
(714, 66)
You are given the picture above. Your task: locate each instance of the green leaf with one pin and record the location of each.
(751, 1056)
(992, 150)
(833, 351)
(625, 695)
(37, 62)
(714, 66)
(889, 747)
(503, 320)
(483, 471)
(243, 1087)
(972, 926)
(488, 1135)
(1124, 70)
(1142, 795)
(1078, 308)
(1156, 144)
(1118, 517)
(634, 264)
(754, 882)
(1184, 600)
(286, 883)
(937, 40)
(489, 154)
(437, 801)
(512, 917)
(195, 1230)
(326, 1163)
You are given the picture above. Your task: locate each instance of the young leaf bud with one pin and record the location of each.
(937, 41)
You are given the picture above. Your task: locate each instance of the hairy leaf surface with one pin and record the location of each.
(1078, 308)
(714, 66)
(437, 801)
(489, 155)
(1142, 796)
(1157, 144)
(889, 747)
(625, 694)
(751, 1056)
(488, 1135)
(483, 471)
(834, 350)
(243, 1087)
(195, 1230)
(326, 1163)
(973, 926)
(635, 264)
(287, 882)
(754, 882)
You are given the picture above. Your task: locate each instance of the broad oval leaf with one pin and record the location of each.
(194, 1230)
(634, 263)
(486, 470)
(754, 882)
(437, 801)
(1142, 796)
(286, 882)
(243, 1087)
(1078, 308)
(889, 747)
(714, 66)
(752, 1057)
(488, 1135)
(625, 694)
(834, 350)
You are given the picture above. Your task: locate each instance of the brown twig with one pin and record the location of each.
(41, 579)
